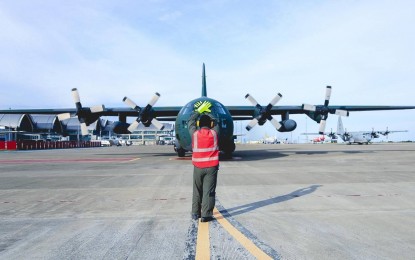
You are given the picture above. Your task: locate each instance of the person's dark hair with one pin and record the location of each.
(204, 120)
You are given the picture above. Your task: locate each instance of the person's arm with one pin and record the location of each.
(191, 124)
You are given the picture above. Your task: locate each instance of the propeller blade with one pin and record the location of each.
(130, 103)
(157, 124)
(251, 124)
(154, 99)
(308, 107)
(322, 126)
(251, 99)
(75, 96)
(64, 116)
(97, 109)
(84, 129)
(275, 99)
(144, 114)
(133, 126)
(328, 94)
(275, 123)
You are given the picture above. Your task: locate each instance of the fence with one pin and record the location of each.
(39, 144)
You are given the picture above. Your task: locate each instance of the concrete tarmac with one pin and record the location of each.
(329, 201)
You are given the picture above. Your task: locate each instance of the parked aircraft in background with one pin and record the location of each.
(358, 137)
(224, 115)
(319, 139)
(270, 140)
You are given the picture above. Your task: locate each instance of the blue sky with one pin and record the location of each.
(112, 49)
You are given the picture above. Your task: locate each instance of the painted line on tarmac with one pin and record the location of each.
(241, 238)
(198, 239)
(132, 160)
(180, 159)
(83, 160)
(203, 242)
(248, 240)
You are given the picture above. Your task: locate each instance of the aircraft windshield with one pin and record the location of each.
(188, 109)
(220, 109)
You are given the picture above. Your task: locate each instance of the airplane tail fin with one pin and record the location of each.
(340, 128)
(204, 92)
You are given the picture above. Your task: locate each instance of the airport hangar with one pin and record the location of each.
(30, 131)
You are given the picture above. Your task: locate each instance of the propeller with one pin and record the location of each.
(324, 110)
(386, 132)
(86, 115)
(374, 134)
(263, 114)
(346, 134)
(144, 114)
(332, 135)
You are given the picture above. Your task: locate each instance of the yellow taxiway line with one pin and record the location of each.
(203, 242)
(132, 160)
(241, 238)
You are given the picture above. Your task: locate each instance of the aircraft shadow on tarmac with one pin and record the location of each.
(257, 155)
(242, 155)
(254, 155)
(327, 152)
(263, 203)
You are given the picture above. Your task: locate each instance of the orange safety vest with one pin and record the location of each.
(205, 148)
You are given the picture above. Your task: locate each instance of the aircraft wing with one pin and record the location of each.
(397, 131)
(164, 112)
(170, 112)
(258, 114)
(39, 111)
(246, 112)
(318, 134)
(390, 132)
(368, 108)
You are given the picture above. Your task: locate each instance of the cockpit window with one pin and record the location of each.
(220, 108)
(216, 109)
(188, 109)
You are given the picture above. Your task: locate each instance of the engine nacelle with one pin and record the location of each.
(287, 125)
(119, 127)
(314, 116)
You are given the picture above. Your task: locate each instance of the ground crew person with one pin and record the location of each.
(205, 159)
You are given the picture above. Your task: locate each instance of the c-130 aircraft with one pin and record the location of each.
(223, 116)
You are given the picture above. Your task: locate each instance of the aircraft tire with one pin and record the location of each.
(229, 149)
(181, 152)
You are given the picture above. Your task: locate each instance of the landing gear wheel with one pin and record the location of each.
(181, 152)
(228, 150)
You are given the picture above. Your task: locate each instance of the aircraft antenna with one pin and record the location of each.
(204, 92)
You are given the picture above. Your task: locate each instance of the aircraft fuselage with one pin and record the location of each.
(222, 117)
(359, 138)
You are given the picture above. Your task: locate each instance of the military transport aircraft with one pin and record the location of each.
(360, 137)
(223, 115)
(356, 137)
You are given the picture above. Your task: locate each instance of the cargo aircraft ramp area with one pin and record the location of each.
(273, 202)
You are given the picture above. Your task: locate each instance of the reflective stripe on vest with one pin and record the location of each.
(205, 152)
(205, 159)
(196, 143)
